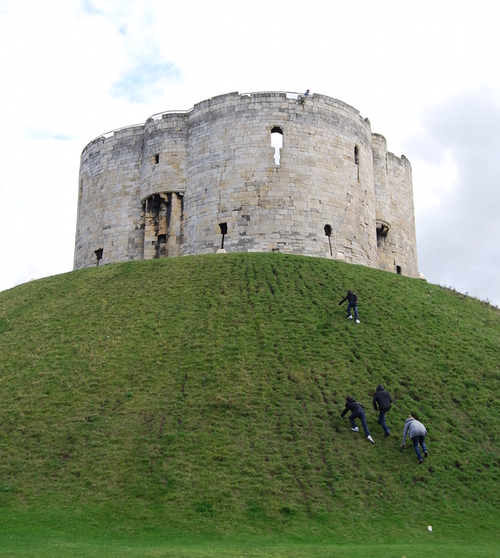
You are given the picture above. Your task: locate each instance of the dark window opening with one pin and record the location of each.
(161, 246)
(98, 254)
(356, 157)
(328, 233)
(277, 143)
(156, 158)
(398, 269)
(81, 186)
(223, 231)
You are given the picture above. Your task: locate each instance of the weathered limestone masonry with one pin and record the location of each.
(197, 181)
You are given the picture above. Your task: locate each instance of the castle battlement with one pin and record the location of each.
(251, 172)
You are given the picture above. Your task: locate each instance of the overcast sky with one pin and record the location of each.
(426, 73)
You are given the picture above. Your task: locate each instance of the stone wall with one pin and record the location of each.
(174, 185)
(109, 208)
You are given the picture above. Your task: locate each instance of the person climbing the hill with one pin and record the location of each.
(357, 411)
(417, 432)
(382, 403)
(352, 303)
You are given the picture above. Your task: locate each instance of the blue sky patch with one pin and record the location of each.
(145, 80)
(46, 134)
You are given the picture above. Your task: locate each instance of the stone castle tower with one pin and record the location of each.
(256, 172)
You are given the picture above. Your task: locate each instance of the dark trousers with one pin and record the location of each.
(416, 441)
(355, 306)
(381, 420)
(361, 415)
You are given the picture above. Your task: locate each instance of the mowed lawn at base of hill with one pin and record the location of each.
(191, 406)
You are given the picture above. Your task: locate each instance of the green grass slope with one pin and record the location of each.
(200, 397)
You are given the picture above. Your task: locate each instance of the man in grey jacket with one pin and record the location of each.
(417, 433)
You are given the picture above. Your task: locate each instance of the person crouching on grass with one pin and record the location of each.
(357, 411)
(352, 301)
(417, 432)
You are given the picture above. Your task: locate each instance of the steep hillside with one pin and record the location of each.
(203, 394)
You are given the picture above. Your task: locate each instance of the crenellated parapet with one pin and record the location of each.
(270, 171)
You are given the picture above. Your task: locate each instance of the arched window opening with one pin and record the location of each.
(156, 158)
(398, 270)
(277, 142)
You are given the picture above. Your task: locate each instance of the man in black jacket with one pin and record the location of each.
(383, 399)
(352, 303)
(357, 411)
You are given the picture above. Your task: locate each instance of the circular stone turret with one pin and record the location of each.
(247, 172)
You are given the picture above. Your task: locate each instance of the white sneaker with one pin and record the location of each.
(358, 322)
(356, 429)
(349, 317)
(370, 439)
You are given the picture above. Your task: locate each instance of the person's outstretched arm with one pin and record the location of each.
(404, 433)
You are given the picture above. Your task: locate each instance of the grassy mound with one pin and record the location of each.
(200, 396)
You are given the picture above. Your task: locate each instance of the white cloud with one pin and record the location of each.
(435, 179)
(458, 239)
(146, 72)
